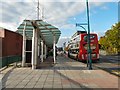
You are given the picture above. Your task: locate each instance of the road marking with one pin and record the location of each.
(87, 71)
(116, 72)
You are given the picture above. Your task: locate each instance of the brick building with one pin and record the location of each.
(10, 47)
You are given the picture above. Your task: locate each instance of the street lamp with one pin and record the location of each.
(88, 36)
(89, 48)
(80, 25)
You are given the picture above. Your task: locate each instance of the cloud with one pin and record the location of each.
(9, 26)
(14, 12)
(68, 26)
(62, 40)
(55, 12)
(104, 8)
(60, 12)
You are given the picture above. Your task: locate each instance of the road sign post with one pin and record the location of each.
(89, 48)
(89, 61)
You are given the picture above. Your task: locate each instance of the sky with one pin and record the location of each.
(64, 14)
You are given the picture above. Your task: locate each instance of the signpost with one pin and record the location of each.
(88, 36)
(89, 48)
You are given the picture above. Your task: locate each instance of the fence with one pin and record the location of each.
(5, 61)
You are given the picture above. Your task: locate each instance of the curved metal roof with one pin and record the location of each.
(46, 31)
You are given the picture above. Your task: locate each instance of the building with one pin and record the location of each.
(10, 47)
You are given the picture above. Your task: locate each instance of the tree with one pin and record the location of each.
(103, 43)
(111, 41)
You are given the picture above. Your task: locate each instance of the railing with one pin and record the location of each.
(5, 61)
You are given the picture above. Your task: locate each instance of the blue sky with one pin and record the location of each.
(62, 14)
(101, 18)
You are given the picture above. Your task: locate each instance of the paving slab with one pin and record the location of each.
(39, 86)
(65, 74)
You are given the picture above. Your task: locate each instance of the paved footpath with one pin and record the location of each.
(65, 74)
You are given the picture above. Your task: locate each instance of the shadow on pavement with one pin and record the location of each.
(48, 63)
(71, 80)
(5, 78)
(60, 65)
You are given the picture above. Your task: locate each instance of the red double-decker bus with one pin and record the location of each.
(78, 46)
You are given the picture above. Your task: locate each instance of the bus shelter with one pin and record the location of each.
(38, 36)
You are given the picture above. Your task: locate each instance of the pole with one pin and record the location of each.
(24, 46)
(41, 50)
(89, 48)
(33, 50)
(45, 50)
(36, 47)
(83, 28)
(38, 10)
(54, 50)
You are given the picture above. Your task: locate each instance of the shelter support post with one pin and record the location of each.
(45, 50)
(23, 52)
(33, 49)
(54, 50)
(24, 47)
(41, 50)
(36, 47)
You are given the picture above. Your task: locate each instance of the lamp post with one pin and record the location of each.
(80, 25)
(89, 48)
(88, 36)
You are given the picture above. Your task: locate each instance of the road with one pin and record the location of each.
(112, 58)
(109, 63)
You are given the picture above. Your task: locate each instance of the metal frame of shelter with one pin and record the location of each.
(43, 35)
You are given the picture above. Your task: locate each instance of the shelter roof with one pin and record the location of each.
(46, 31)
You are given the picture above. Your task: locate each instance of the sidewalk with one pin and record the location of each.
(65, 74)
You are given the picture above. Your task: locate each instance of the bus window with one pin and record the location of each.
(85, 38)
(91, 37)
